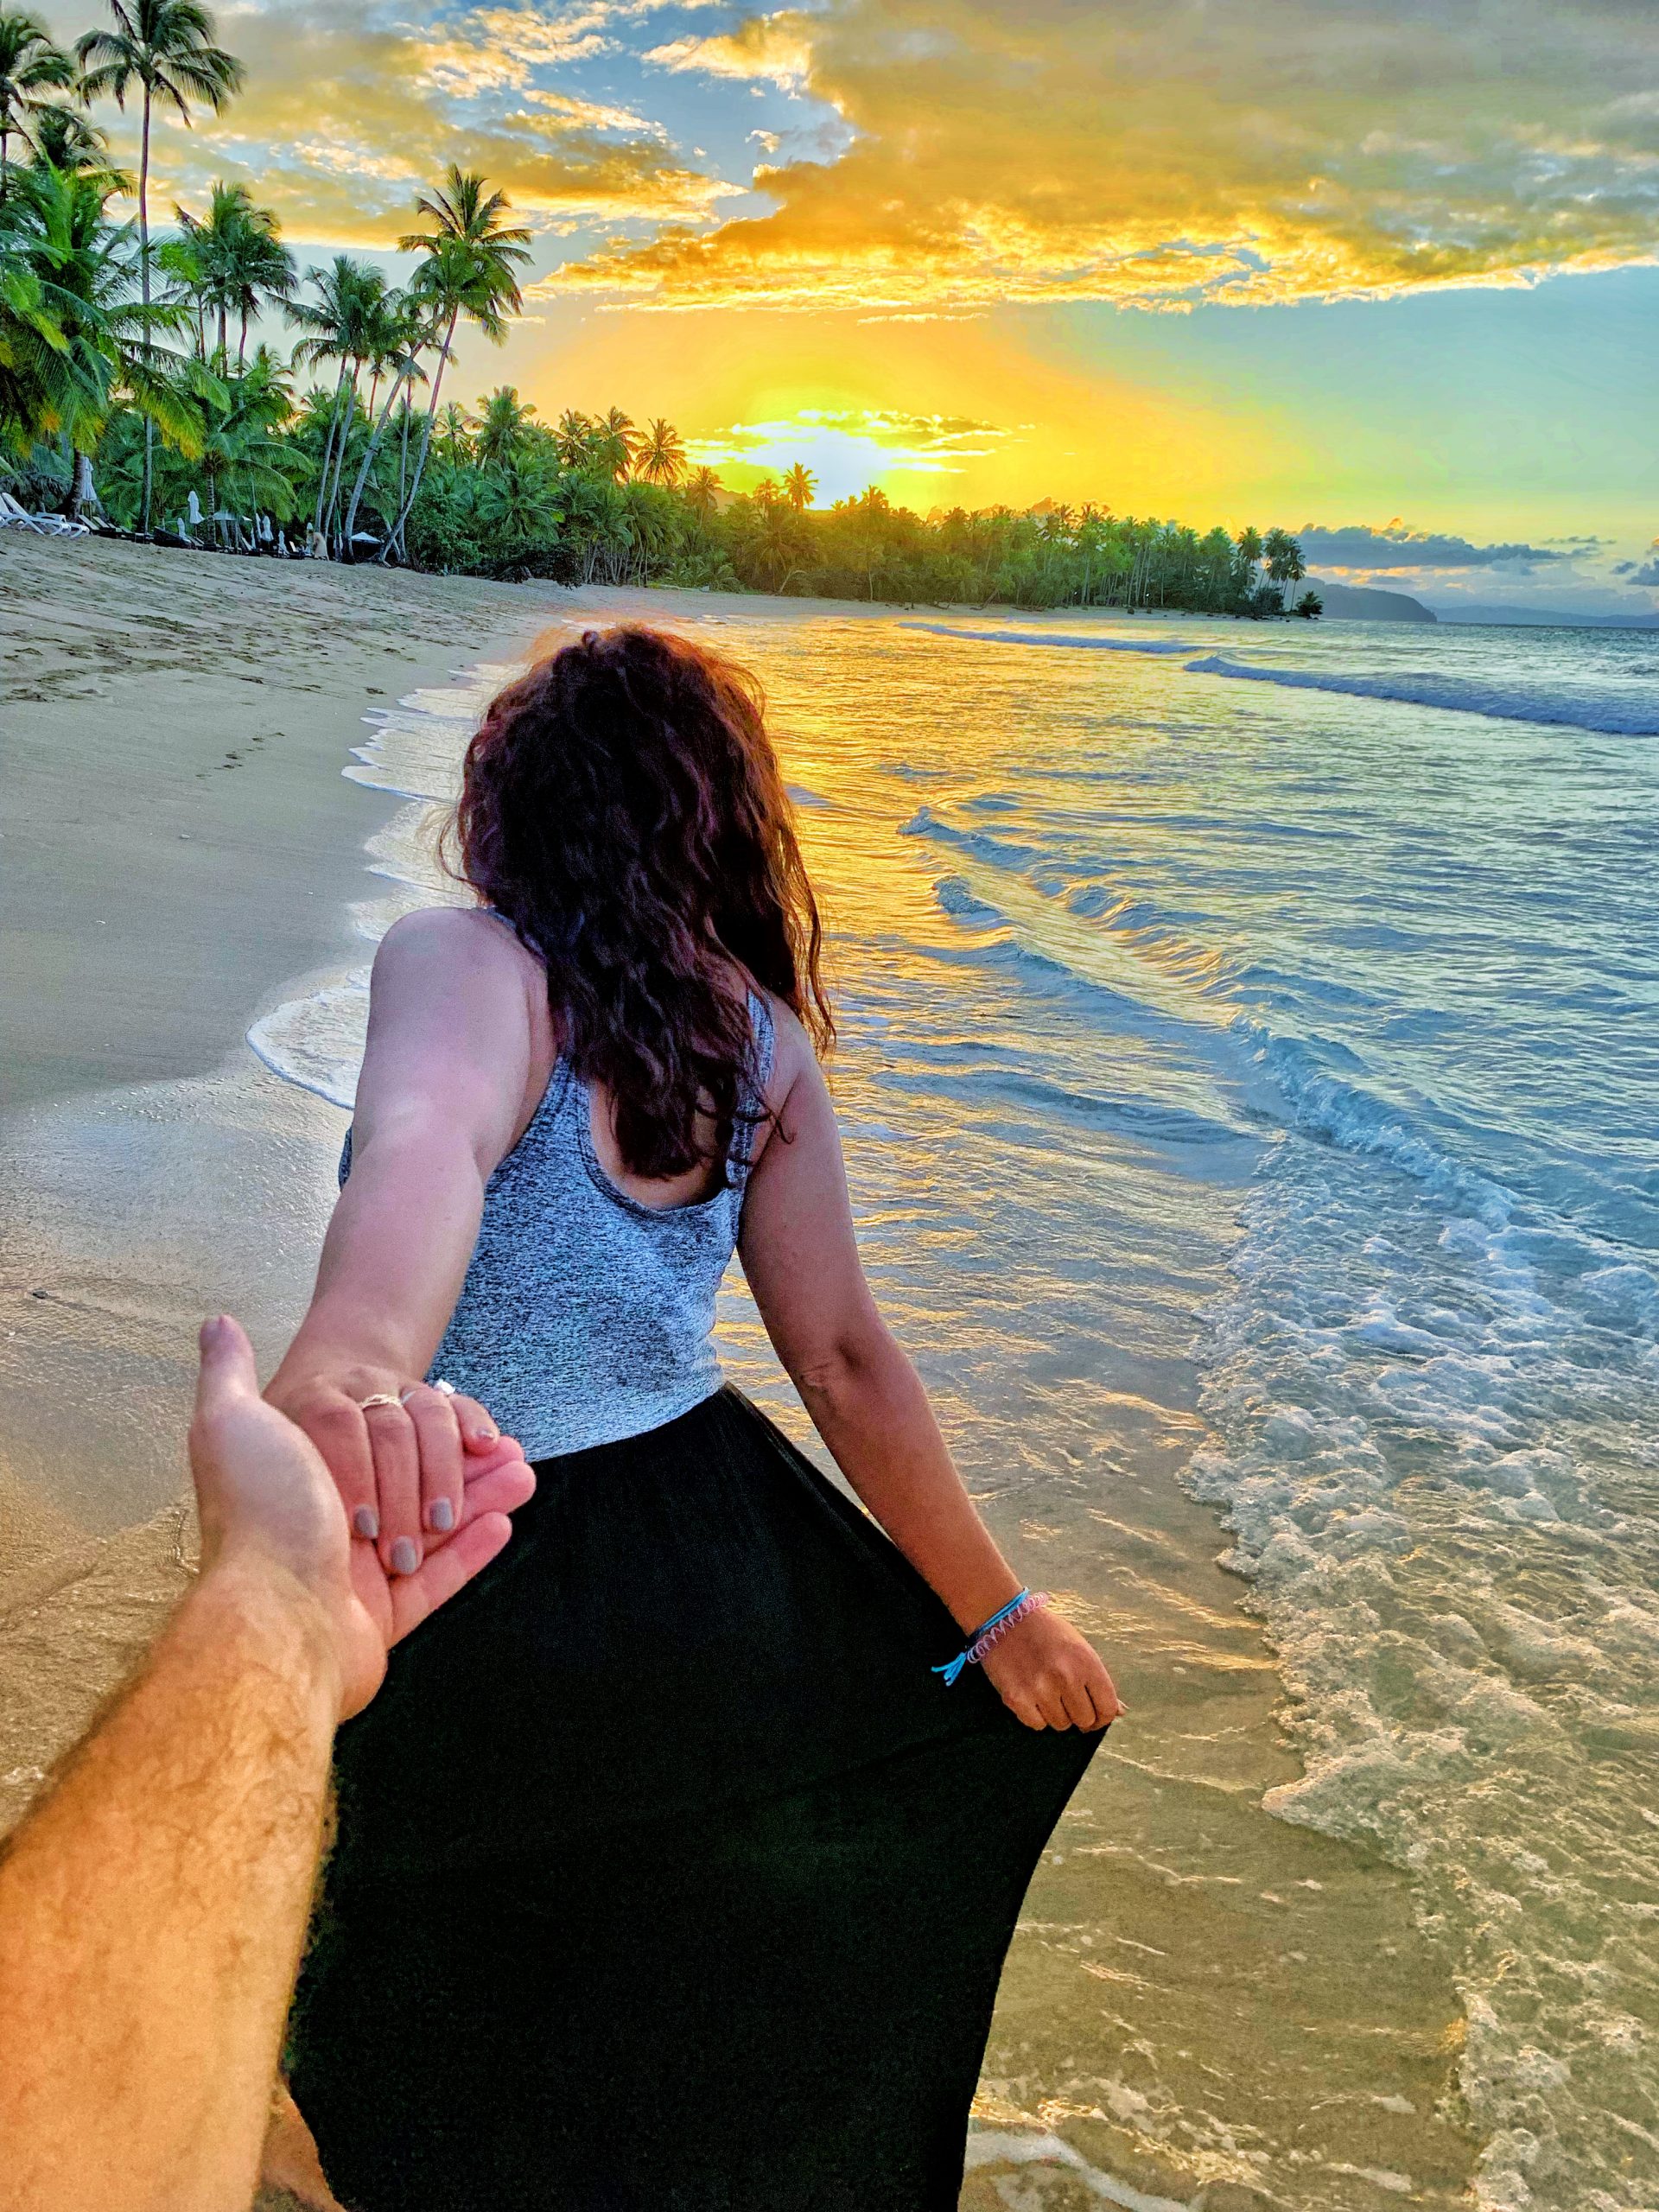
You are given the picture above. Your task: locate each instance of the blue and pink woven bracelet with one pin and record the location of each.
(987, 1633)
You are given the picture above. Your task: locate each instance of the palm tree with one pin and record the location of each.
(1090, 538)
(30, 66)
(457, 440)
(1284, 559)
(166, 48)
(34, 370)
(799, 485)
(397, 331)
(612, 444)
(242, 456)
(469, 256)
(244, 265)
(777, 542)
(339, 326)
(573, 438)
(1248, 551)
(502, 421)
(660, 457)
(57, 234)
(517, 495)
(186, 285)
(599, 514)
(71, 140)
(702, 494)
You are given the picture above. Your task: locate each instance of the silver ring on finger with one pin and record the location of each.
(380, 1398)
(403, 1396)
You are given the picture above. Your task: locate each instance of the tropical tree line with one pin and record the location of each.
(137, 392)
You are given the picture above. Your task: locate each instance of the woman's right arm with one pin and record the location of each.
(441, 1094)
(800, 1255)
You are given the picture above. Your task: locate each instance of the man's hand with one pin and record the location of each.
(267, 1500)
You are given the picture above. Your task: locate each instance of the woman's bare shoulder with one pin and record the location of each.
(793, 1054)
(451, 938)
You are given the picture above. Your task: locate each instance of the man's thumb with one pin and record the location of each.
(227, 1370)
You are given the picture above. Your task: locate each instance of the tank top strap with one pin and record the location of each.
(752, 1101)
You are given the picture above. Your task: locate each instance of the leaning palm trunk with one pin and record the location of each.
(402, 480)
(143, 277)
(376, 434)
(395, 536)
(340, 455)
(327, 464)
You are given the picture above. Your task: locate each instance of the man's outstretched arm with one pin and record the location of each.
(153, 1906)
(151, 1915)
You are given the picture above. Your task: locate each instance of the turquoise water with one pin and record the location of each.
(1249, 1067)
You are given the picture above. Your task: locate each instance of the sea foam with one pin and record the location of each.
(1575, 708)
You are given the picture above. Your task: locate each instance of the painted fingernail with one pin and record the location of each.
(486, 1435)
(440, 1515)
(405, 1556)
(365, 1521)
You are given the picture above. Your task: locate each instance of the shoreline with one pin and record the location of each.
(174, 838)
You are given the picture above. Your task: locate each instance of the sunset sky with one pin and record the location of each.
(1384, 271)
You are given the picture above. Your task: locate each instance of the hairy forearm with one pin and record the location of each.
(152, 1910)
(395, 1253)
(867, 1404)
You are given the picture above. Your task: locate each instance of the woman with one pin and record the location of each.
(674, 1873)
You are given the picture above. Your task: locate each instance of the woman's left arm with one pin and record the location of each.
(866, 1402)
(441, 1095)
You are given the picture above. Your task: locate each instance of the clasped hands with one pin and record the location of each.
(276, 1494)
(401, 1453)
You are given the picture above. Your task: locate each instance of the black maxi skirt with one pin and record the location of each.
(669, 1877)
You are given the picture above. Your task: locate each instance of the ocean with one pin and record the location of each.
(1249, 1062)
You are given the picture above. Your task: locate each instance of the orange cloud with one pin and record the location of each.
(341, 118)
(764, 48)
(1161, 154)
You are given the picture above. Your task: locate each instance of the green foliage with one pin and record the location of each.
(166, 48)
(231, 262)
(71, 325)
(32, 67)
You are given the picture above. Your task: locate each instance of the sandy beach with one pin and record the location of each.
(180, 853)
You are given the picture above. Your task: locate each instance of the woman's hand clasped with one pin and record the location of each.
(398, 1451)
(1051, 1676)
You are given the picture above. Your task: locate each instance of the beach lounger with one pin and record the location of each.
(15, 516)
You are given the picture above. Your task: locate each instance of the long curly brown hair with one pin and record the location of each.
(622, 807)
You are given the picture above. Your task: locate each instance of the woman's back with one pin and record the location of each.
(586, 1314)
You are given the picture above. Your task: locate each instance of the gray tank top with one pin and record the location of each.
(585, 1316)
